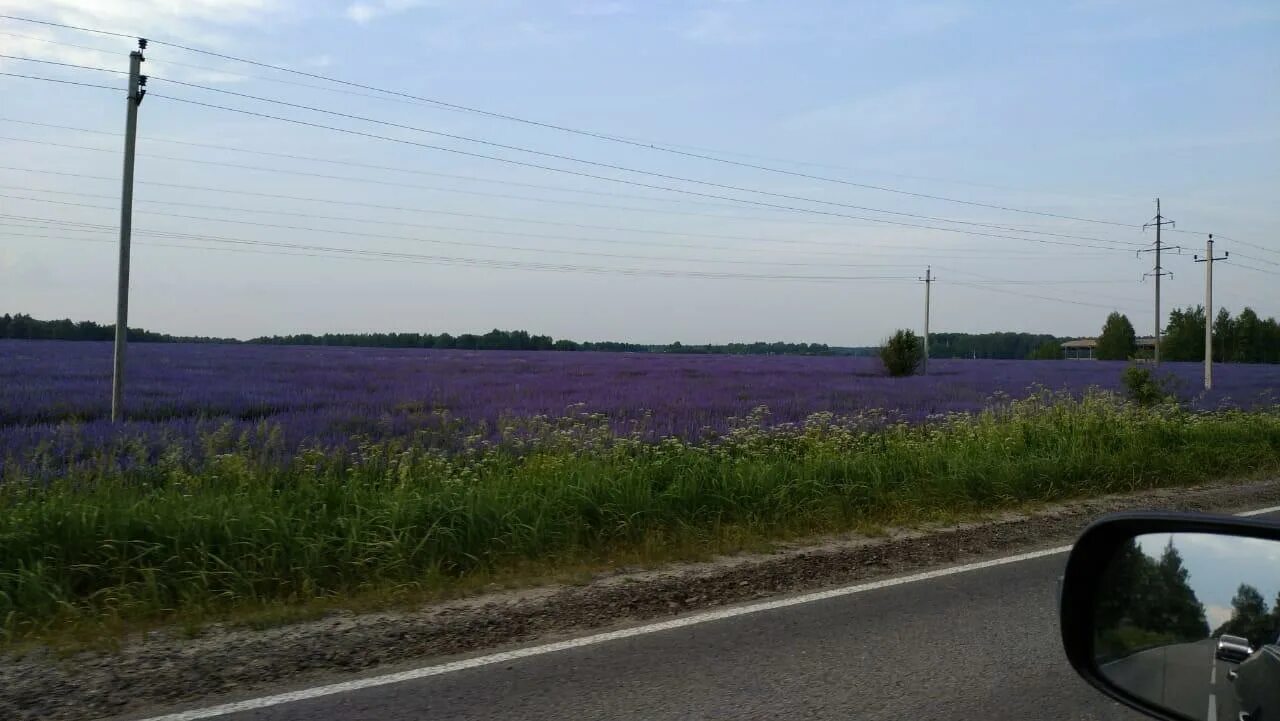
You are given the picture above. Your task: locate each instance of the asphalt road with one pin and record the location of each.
(1184, 677)
(983, 644)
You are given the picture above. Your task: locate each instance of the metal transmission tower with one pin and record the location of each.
(928, 283)
(1159, 222)
(137, 89)
(1208, 308)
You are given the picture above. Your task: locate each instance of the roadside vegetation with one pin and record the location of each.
(244, 526)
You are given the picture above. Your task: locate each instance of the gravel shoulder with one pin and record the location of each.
(162, 668)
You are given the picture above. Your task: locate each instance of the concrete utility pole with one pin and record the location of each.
(1208, 309)
(928, 281)
(1159, 223)
(137, 89)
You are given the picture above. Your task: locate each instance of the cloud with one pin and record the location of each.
(365, 12)
(1217, 615)
(201, 23)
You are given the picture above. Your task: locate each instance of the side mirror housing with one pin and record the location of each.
(1177, 615)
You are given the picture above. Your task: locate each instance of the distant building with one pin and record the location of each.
(1080, 349)
(1084, 348)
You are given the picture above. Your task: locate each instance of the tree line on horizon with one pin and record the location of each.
(20, 326)
(1242, 339)
(1245, 338)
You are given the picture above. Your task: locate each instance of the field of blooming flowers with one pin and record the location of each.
(55, 396)
(251, 477)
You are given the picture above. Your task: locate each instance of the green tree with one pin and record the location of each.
(1184, 336)
(1181, 612)
(902, 353)
(1224, 330)
(1248, 337)
(1050, 350)
(1118, 341)
(1250, 617)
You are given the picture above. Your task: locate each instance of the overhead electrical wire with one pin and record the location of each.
(660, 147)
(389, 94)
(400, 184)
(571, 158)
(525, 265)
(383, 236)
(942, 252)
(723, 186)
(630, 182)
(610, 166)
(416, 171)
(616, 180)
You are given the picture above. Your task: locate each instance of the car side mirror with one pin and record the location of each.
(1177, 615)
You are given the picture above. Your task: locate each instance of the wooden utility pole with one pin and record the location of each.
(137, 89)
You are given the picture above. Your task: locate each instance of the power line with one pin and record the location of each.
(993, 289)
(401, 184)
(66, 27)
(351, 179)
(64, 65)
(387, 94)
(383, 256)
(666, 148)
(984, 279)
(523, 265)
(621, 180)
(947, 252)
(416, 171)
(56, 80)
(613, 166)
(1260, 260)
(516, 162)
(384, 236)
(222, 71)
(615, 180)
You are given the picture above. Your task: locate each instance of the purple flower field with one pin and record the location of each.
(55, 396)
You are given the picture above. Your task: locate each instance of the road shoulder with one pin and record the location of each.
(165, 668)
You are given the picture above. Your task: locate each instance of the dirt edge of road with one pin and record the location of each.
(166, 668)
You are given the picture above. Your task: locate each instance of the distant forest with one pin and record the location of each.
(25, 327)
(1246, 338)
(987, 345)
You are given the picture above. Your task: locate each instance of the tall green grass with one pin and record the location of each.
(167, 540)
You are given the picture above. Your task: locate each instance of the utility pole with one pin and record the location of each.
(928, 281)
(1208, 309)
(137, 89)
(1159, 222)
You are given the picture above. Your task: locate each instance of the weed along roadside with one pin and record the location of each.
(389, 519)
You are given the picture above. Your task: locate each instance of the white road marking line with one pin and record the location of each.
(505, 656)
(1213, 675)
(1213, 708)
(1259, 512)
(696, 619)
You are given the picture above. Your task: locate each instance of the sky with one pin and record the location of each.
(1088, 108)
(1217, 565)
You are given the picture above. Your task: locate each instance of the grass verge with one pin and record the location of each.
(172, 543)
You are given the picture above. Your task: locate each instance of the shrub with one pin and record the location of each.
(902, 353)
(1144, 387)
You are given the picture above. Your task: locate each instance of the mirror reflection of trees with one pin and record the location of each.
(1146, 602)
(1251, 619)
